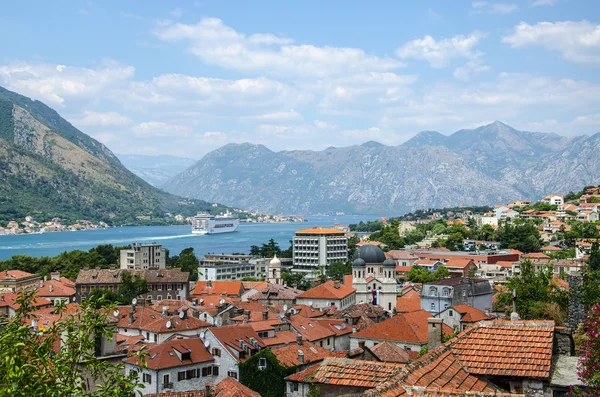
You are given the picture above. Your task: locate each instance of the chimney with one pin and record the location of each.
(207, 390)
(208, 284)
(514, 316)
(224, 295)
(195, 301)
(131, 318)
(299, 340)
(51, 288)
(301, 356)
(55, 276)
(132, 308)
(361, 344)
(336, 285)
(265, 315)
(435, 333)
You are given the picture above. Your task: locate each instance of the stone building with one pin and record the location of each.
(440, 295)
(374, 277)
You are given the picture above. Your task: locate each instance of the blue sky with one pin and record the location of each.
(186, 77)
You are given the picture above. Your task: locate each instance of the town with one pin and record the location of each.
(422, 320)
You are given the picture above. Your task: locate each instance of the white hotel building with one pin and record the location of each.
(317, 247)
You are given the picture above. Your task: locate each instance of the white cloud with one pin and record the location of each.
(324, 125)
(440, 53)
(538, 3)
(159, 129)
(577, 41)
(56, 83)
(473, 67)
(94, 119)
(486, 7)
(216, 43)
(289, 116)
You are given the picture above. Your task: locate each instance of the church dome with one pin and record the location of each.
(369, 253)
(275, 262)
(358, 262)
(389, 262)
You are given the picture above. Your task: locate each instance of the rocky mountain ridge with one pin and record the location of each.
(484, 166)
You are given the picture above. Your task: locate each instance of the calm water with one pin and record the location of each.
(175, 238)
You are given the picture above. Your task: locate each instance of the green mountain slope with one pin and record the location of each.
(48, 168)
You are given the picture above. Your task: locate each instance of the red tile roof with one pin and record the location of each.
(233, 288)
(54, 289)
(9, 299)
(14, 275)
(346, 372)
(536, 255)
(407, 327)
(470, 314)
(458, 263)
(328, 290)
(230, 336)
(550, 248)
(288, 355)
(406, 305)
(169, 354)
(280, 338)
(228, 387)
(307, 311)
(411, 294)
(320, 230)
(310, 329)
(513, 349)
(390, 353)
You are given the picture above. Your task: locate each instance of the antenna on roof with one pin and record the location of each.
(181, 314)
(206, 343)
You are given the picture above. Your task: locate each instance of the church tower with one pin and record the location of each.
(274, 276)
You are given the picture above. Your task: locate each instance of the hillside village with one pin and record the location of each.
(423, 320)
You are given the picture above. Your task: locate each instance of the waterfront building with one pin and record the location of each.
(143, 256)
(317, 248)
(217, 267)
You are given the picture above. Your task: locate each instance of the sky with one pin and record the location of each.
(187, 77)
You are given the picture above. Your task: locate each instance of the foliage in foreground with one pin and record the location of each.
(33, 364)
(588, 369)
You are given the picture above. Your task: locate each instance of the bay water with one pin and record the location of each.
(175, 238)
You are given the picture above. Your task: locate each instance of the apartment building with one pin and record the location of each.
(318, 246)
(143, 256)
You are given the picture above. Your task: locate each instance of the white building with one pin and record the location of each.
(554, 199)
(275, 271)
(374, 277)
(178, 365)
(330, 293)
(143, 256)
(318, 247)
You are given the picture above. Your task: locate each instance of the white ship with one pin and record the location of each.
(213, 224)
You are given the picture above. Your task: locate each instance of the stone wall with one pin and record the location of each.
(576, 309)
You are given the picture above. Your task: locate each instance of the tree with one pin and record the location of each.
(131, 287)
(268, 382)
(588, 291)
(188, 262)
(30, 365)
(296, 278)
(472, 272)
(337, 270)
(524, 237)
(417, 274)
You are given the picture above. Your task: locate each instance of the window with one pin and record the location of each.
(262, 363)
(432, 291)
(433, 306)
(232, 374)
(83, 288)
(295, 386)
(446, 292)
(147, 378)
(450, 313)
(216, 352)
(166, 380)
(159, 297)
(215, 370)
(207, 371)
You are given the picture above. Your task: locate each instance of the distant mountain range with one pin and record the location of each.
(48, 168)
(155, 170)
(484, 166)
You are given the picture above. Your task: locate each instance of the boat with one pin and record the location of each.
(204, 223)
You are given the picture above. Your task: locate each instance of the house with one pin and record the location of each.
(330, 293)
(330, 334)
(460, 267)
(386, 352)
(300, 354)
(9, 305)
(407, 330)
(228, 387)
(230, 288)
(440, 295)
(361, 316)
(56, 290)
(17, 280)
(157, 326)
(460, 317)
(162, 283)
(406, 304)
(553, 199)
(231, 344)
(177, 365)
(276, 294)
(430, 265)
(549, 249)
(402, 258)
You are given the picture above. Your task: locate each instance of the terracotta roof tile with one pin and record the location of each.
(311, 329)
(113, 276)
(14, 275)
(9, 299)
(276, 291)
(233, 288)
(406, 305)
(406, 327)
(54, 289)
(230, 336)
(172, 353)
(470, 314)
(280, 338)
(328, 290)
(228, 387)
(389, 352)
(320, 230)
(536, 255)
(289, 355)
(458, 263)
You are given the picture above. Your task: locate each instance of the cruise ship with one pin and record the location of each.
(213, 224)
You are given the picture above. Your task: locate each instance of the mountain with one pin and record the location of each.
(155, 170)
(484, 166)
(48, 168)
(354, 179)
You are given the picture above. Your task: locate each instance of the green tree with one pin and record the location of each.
(296, 278)
(131, 287)
(30, 365)
(337, 270)
(268, 382)
(188, 262)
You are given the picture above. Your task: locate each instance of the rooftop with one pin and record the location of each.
(174, 353)
(14, 275)
(389, 353)
(234, 288)
(328, 290)
(289, 355)
(320, 230)
(113, 276)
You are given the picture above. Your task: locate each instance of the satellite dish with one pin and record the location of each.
(116, 313)
(343, 326)
(206, 343)
(222, 301)
(169, 324)
(181, 314)
(74, 299)
(202, 335)
(310, 303)
(201, 301)
(293, 311)
(281, 314)
(134, 301)
(165, 308)
(285, 308)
